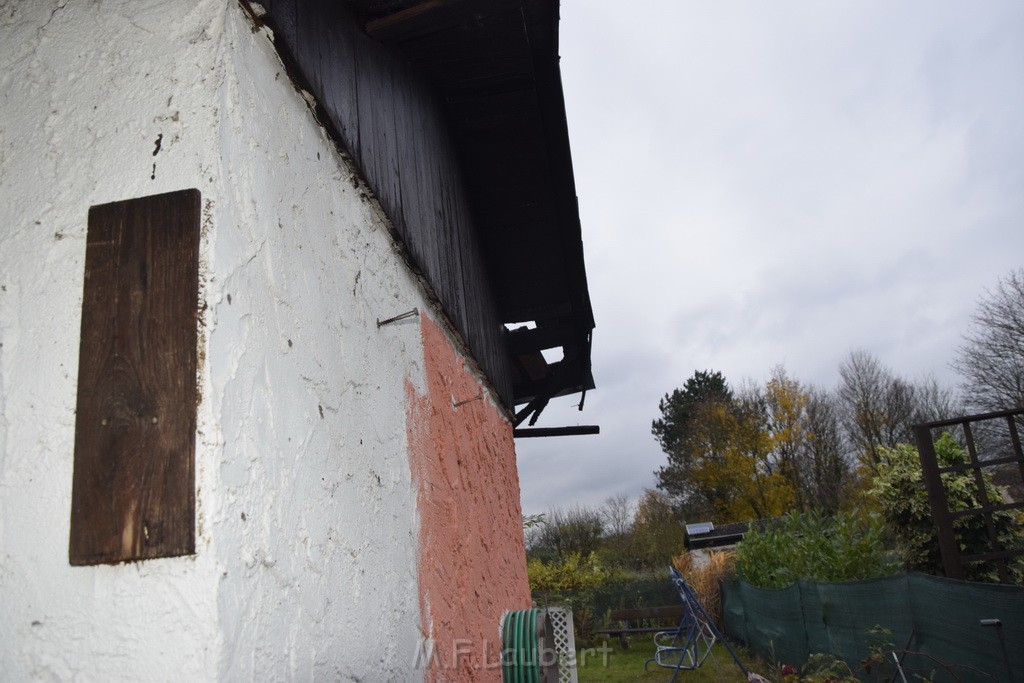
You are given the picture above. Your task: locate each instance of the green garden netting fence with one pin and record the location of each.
(939, 618)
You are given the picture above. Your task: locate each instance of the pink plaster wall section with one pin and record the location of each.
(472, 563)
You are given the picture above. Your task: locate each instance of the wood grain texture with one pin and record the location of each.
(133, 494)
(394, 124)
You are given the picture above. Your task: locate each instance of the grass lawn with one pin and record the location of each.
(616, 665)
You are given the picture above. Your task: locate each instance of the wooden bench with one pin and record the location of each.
(630, 621)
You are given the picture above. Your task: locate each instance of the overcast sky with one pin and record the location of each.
(773, 182)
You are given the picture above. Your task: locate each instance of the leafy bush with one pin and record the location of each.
(900, 490)
(576, 571)
(571, 582)
(843, 547)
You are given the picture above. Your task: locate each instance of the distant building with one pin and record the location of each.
(707, 535)
(258, 272)
(702, 537)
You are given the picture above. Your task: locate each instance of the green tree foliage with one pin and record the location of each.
(683, 432)
(531, 521)
(675, 430)
(900, 490)
(716, 446)
(841, 547)
(755, 453)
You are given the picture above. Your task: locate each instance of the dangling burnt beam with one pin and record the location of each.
(530, 432)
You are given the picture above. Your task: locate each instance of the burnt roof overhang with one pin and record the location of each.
(495, 66)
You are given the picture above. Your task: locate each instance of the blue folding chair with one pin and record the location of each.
(686, 647)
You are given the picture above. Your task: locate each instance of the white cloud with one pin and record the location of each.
(778, 182)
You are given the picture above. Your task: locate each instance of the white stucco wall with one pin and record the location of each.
(309, 394)
(306, 529)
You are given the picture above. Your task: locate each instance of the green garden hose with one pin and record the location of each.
(533, 670)
(520, 661)
(506, 647)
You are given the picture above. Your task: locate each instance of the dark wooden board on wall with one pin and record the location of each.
(133, 489)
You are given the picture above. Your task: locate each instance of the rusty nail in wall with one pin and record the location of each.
(468, 400)
(403, 316)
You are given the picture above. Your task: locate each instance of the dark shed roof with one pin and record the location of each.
(493, 66)
(707, 535)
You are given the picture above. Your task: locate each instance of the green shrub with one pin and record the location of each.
(576, 571)
(582, 583)
(899, 488)
(843, 547)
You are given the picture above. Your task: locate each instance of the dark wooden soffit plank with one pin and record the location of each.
(492, 69)
(542, 19)
(500, 79)
(496, 68)
(410, 20)
(418, 19)
(498, 73)
(133, 487)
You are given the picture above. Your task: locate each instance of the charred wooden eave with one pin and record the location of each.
(490, 69)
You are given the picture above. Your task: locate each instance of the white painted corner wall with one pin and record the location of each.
(306, 521)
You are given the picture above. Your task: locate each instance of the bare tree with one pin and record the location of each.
(829, 473)
(991, 359)
(577, 529)
(657, 532)
(617, 515)
(878, 406)
(935, 402)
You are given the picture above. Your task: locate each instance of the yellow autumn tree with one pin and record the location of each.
(806, 443)
(756, 453)
(734, 466)
(786, 403)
